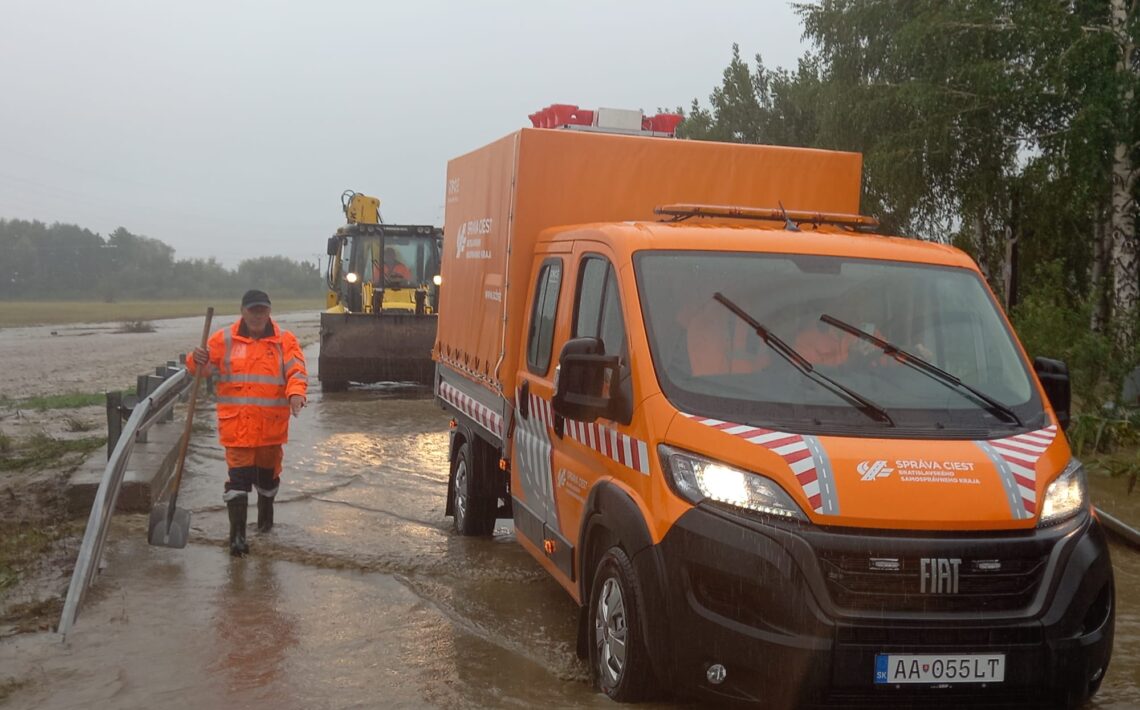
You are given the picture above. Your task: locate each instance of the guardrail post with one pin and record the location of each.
(119, 408)
(163, 372)
(146, 384)
(114, 420)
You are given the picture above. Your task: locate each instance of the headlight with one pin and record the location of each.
(1066, 496)
(437, 279)
(351, 277)
(697, 478)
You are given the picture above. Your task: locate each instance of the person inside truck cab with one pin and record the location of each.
(394, 269)
(823, 344)
(719, 343)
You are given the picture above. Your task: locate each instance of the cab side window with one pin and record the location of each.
(540, 339)
(597, 314)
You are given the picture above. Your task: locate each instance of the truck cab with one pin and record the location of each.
(774, 456)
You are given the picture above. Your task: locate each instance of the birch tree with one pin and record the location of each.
(1123, 25)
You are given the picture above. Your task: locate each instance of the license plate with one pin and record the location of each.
(891, 668)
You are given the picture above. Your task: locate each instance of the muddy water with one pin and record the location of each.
(361, 596)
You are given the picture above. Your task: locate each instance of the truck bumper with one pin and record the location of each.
(796, 616)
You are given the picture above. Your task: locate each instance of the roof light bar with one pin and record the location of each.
(570, 116)
(775, 214)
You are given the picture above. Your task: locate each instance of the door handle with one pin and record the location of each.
(524, 399)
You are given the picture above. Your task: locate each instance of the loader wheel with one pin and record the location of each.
(474, 513)
(619, 659)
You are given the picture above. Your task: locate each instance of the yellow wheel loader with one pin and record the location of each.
(383, 280)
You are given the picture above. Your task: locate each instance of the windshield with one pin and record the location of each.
(398, 262)
(710, 361)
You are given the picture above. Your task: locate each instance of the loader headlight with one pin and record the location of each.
(699, 479)
(351, 277)
(437, 279)
(1066, 496)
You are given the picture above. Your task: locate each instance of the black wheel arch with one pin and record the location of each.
(612, 518)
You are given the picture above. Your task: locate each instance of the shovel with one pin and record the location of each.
(170, 525)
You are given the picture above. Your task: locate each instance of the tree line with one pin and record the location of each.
(63, 261)
(1009, 128)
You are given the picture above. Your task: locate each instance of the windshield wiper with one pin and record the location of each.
(801, 363)
(927, 368)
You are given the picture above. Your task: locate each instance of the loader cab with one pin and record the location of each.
(393, 268)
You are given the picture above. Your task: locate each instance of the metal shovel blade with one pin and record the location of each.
(166, 529)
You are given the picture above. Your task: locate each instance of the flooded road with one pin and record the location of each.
(361, 596)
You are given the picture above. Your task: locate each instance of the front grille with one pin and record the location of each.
(944, 635)
(854, 585)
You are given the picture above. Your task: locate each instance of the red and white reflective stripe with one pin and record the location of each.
(488, 418)
(625, 450)
(793, 448)
(1021, 453)
(541, 409)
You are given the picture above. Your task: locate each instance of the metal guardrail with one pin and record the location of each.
(1128, 533)
(149, 410)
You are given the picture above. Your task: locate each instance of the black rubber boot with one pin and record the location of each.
(264, 513)
(237, 508)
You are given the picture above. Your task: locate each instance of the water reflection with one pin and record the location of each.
(255, 632)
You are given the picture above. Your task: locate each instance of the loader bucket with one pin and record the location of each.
(365, 347)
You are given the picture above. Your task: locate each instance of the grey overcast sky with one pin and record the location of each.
(229, 128)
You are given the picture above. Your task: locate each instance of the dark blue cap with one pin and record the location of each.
(253, 297)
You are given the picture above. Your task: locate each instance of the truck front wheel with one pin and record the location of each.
(619, 659)
(474, 512)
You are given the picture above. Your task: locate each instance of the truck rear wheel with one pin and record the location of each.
(474, 512)
(619, 659)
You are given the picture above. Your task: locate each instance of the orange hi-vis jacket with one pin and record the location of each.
(255, 378)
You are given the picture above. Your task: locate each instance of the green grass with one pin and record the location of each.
(75, 424)
(41, 450)
(19, 544)
(22, 545)
(69, 400)
(27, 313)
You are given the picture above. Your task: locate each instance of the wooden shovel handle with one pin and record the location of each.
(185, 443)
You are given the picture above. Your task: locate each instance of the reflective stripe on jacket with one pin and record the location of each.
(255, 379)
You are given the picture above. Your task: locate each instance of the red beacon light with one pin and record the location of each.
(559, 115)
(606, 120)
(662, 123)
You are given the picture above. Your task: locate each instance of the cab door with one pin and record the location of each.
(586, 451)
(532, 474)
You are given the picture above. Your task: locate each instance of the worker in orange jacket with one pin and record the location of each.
(394, 269)
(261, 380)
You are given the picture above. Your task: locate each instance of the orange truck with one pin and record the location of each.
(772, 456)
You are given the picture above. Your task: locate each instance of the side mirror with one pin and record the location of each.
(1054, 376)
(584, 378)
(333, 247)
